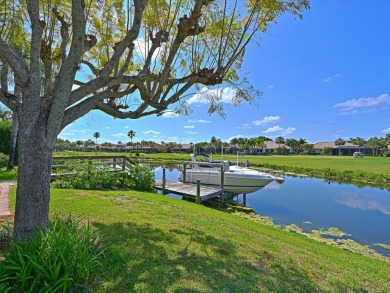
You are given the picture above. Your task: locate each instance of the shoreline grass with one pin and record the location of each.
(7, 175)
(159, 244)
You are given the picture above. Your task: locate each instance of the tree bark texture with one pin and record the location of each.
(33, 192)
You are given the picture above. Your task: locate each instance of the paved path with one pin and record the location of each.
(4, 204)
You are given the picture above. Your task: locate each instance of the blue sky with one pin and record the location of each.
(325, 77)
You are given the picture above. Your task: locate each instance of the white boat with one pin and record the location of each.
(236, 179)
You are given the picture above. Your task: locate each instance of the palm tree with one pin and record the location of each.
(260, 143)
(213, 142)
(131, 134)
(358, 141)
(376, 144)
(339, 142)
(280, 140)
(292, 143)
(301, 143)
(96, 135)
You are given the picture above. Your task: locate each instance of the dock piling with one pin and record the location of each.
(164, 182)
(197, 191)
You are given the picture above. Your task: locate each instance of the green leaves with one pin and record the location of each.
(141, 178)
(63, 258)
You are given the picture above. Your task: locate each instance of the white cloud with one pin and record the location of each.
(271, 86)
(245, 126)
(199, 121)
(141, 48)
(107, 127)
(282, 131)
(387, 130)
(170, 115)
(189, 126)
(267, 120)
(345, 113)
(126, 126)
(330, 78)
(151, 132)
(350, 106)
(273, 129)
(224, 95)
(83, 131)
(120, 134)
(191, 132)
(236, 136)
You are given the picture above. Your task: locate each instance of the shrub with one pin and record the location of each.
(63, 258)
(5, 136)
(93, 175)
(141, 178)
(3, 160)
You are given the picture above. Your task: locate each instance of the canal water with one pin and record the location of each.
(363, 214)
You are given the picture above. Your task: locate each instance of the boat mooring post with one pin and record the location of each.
(198, 191)
(184, 172)
(124, 163)
(164, 180)
(244, 198)
(222, 177)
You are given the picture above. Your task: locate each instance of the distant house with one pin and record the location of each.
(347, 149)
(91, 148)
(270, 147)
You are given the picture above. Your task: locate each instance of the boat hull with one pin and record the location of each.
(237, 181)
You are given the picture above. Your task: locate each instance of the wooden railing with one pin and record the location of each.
(122, 161)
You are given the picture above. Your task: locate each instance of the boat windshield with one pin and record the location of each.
(202, 158)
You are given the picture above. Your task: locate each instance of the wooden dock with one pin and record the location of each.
(200, 192)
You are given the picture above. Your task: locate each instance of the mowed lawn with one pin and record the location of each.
(368, 164)
(159, 244)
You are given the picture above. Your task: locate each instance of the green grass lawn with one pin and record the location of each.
(7, 175)
(159, 244)
(368, 164)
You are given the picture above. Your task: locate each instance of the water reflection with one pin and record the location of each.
(312, 205)
(366, 202)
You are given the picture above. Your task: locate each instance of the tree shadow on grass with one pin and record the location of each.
(142, 258)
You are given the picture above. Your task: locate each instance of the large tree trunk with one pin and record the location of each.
(33, 189)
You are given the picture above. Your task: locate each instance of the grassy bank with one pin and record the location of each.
(159, 244)
(7, 175)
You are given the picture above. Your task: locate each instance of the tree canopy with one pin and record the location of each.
(132, 59)
(127, 58)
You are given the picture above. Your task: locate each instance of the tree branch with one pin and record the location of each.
(64, 33)
(186, 24)
(66, 76)
(9, 56)
(11, 101)
(35, 50)
(102, 82)
(140, 112)
(130, 37)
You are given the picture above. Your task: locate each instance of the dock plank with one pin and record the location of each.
(189, 189)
